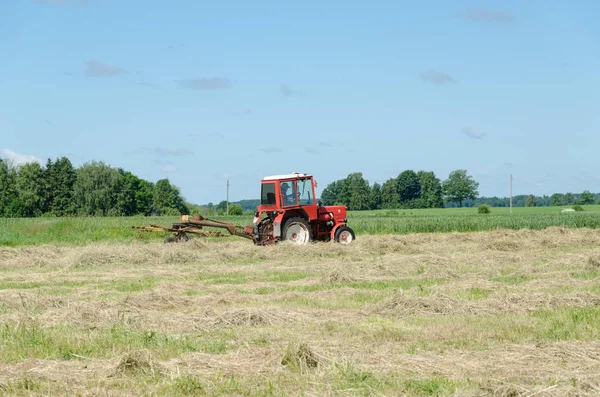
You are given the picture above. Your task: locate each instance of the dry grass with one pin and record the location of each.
(496, 313)
(139, 362)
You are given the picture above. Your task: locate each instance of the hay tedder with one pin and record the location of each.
(288, 211)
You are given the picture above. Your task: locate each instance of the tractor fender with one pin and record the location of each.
(334, 229)
(277, 225)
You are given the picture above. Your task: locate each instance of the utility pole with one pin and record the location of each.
(228, 197)
(511, 194)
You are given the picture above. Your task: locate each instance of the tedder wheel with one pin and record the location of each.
(297, 230)
(344, 235)
(170, 239)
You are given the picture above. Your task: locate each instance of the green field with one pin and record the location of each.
(81, 231)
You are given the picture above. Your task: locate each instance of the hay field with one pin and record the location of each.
(500, 313)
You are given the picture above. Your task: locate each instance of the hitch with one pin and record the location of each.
(195, 224)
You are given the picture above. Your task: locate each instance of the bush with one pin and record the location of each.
(235, 209)
(578, 207)
(483, 209)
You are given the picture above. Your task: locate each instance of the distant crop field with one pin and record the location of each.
(87, 230)
(499, 313)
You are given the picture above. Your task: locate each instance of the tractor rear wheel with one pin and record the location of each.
(344, 235)
(297, 230)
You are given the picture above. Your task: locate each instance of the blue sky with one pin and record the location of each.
(201, 92)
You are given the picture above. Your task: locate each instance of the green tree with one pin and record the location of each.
(96, 189)
(144, 197)
(409, 188)
(221, 207)
(59, 180)
(235, 209)
(431, 190)
(389, 194)
(168, 200)
(330, 194)
(530, 201)
(30, 188)
(135, 196)
(9, 200)
(126, 202)
(210, 209)
(568, 199)
(556, 199)
(586, 198)
(355, 192)
(375, 196)
(460, 187)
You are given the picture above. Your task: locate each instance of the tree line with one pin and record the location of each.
(409, 189)
(555, 200)
(424, 190)
(59, 189)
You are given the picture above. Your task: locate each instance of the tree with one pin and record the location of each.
(409, 187)
(221, 208)
(9, 200)
(389, 194)
(431, 190)
(144, 197)
(331, 192)
(167, 199)
(59, 179)
(355, 192)
(235, 209)
(97, 189)
(375, 196)
(586, 198)
(459, 187)
(530, 201)
(135, 196)
(556, 199)
(568, 199)
(210, 209)
(126, 202)
(30, 188)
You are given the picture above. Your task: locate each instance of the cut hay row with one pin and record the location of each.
(488, 313)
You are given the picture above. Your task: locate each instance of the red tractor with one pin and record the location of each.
(288, 211)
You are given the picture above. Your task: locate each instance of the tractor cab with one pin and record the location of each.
(288, 191)
(289, 210)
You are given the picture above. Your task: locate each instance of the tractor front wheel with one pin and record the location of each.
(297, 230)
(344, 235)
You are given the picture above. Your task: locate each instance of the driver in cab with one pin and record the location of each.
(289, 197)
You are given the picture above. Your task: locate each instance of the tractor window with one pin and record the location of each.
(305, 192)
(267, 194)
(288, 193)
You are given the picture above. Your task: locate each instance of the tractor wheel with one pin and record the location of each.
(297, 230)
(344, 235)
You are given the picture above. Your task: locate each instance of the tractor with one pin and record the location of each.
(288, 211)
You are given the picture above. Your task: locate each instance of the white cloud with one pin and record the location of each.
(289, 92)
(437, 78)
(101, 69)
(17, 158)
(487, 16)
(168, 168)
(473, 133)
(215, 83)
